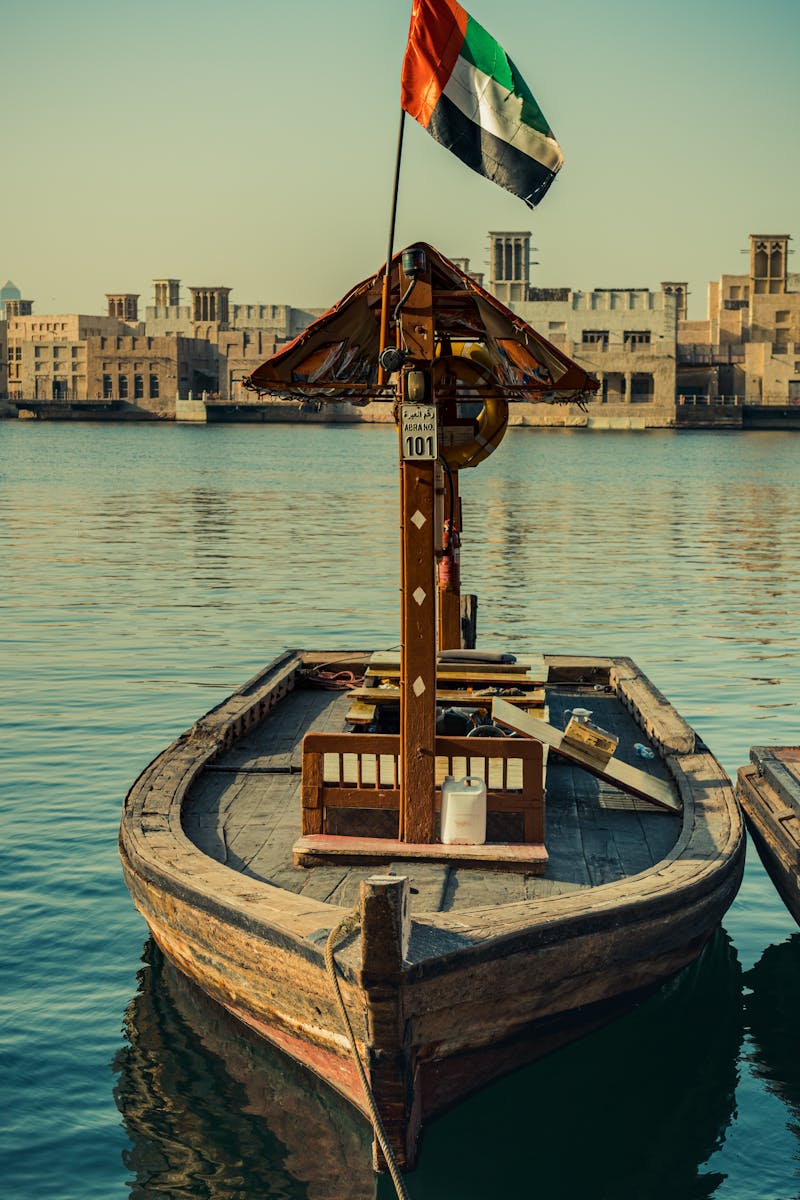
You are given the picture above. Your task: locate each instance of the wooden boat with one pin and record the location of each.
(290, 851)
(769, 792)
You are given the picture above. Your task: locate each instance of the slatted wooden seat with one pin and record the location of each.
(361, 772)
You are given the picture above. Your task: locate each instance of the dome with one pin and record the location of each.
(9, 291)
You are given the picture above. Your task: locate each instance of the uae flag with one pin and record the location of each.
(464, 89)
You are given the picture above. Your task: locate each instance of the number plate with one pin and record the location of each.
(418, 431)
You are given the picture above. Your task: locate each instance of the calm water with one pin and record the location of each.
(147, 571)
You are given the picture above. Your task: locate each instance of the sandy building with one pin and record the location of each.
(47, 354)
(626, 336)
(747, 350)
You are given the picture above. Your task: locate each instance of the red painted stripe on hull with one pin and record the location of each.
(340, 1073)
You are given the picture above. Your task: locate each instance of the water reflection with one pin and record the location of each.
(213, 1111)
(633, 1111)
(771, 1011)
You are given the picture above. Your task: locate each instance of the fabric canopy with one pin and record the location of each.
(336, 357)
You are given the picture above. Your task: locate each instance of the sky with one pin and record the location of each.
(251, 144)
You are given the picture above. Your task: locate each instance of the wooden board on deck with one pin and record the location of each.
(385, 695)
(496, 677)
(626, 777)
(516, 856)
(530, 666)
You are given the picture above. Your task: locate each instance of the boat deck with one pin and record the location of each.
(244, 812)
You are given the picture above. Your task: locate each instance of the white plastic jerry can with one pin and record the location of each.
(463, 811)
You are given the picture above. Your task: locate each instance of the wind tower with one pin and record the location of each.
(768, 255)
(123, 305)
(510, 266)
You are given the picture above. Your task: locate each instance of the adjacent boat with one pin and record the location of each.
(769, 791)
(415, 871)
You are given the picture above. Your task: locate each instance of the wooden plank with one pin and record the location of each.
(626, 777)
(463, 697)
(533, 665)
(654, 712)
(565, 845)
(498, 675)
(312, 792)
(427, 883)
(332, 848)
(784, 777)
(477, 888)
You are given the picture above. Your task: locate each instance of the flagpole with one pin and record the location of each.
(390, 250)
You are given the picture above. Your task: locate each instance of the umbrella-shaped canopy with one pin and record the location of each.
(336, 357)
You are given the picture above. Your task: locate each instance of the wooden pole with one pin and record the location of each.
(418, 620)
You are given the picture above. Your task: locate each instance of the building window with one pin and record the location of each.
(108, 391)
(636, 337)
(595, 337)
(782, 317)
(641, 389)
(138, 387)
(153, 387)
(123, 387)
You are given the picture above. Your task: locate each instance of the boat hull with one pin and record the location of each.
(769, 792)
(474, 993)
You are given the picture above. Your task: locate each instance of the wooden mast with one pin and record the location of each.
(419, 585)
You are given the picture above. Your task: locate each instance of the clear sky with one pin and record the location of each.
(251, 143)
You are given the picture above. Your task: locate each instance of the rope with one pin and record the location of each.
(347, 925)
(334, 680)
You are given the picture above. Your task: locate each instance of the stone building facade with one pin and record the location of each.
(243, 334)
(4, 364)
(203, 348)
(47, 354)
(649, 357)
(624, 336)
(747, 350)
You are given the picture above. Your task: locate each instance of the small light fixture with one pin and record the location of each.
(416, 387)
(414, 261)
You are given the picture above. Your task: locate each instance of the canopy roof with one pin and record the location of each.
(336, 357)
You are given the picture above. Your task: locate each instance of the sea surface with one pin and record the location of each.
(147, 571)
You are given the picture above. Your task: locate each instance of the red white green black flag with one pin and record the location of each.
(461, 86)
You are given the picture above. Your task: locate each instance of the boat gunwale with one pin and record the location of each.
(303, 921)
(774, 843)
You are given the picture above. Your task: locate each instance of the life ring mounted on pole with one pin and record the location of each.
(489, 426)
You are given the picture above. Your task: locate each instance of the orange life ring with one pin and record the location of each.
(491, 422)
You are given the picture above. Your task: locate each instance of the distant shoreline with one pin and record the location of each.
(595, 416)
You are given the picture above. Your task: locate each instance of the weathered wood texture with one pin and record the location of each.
(250, 817)
(629, 778)
(769, 793)
(366, 769)
(628, 897)
(418, 670)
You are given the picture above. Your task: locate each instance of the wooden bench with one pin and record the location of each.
(362, 771)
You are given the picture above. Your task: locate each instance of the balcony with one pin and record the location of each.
(693, 355)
